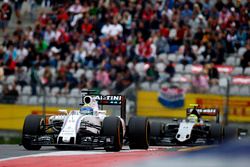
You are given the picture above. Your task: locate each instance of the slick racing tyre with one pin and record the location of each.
(216, 133)
(112, 128)
(138, 133)
(230, 133)
(32, 128)
(156, 129)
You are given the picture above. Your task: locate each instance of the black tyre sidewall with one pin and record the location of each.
(112, 127)
(138, 133)
(230, 133)
(216, 132)
(32, 126)
(155, 129)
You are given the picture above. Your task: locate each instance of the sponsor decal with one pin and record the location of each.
(108, 97)
(225, 69)
(220, 68)
(197, 68)
(241, 80)
(207, 111)
(171, 97)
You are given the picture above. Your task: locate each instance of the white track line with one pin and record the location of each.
(56, 153)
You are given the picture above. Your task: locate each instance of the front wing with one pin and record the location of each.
(82, 142)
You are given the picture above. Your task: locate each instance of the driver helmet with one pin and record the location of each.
(195, 112)
(192, 118)
(87, 110)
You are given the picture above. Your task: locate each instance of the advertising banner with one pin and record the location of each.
(225, 69)
(12, 116)
(149, 105)
(221, 68)
(241, 80)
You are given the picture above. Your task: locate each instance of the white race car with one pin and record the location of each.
(89, 127)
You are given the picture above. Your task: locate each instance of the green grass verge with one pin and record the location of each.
(10, 140)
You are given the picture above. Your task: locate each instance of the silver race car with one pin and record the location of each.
(89, 127)
(193, 130)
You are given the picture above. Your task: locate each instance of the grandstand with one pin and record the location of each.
(109, 45)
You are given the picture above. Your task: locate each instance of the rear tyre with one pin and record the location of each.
(156, 131)
(230, 133)
(138, 133)
(32, 127)
(216, 133)
(112, 127)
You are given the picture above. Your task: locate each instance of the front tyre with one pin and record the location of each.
(230, 133)
(216, 133)
(32, 127)
(112, 128)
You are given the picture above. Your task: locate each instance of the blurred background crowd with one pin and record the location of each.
(110, 44)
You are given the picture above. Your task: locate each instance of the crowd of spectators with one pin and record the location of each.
(107, 38)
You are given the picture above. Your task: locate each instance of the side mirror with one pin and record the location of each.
(102, 112)
(175, 119)
(63, 111)
(206, 121)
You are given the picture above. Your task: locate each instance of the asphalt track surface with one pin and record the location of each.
(226, 155)
(15, 151)
(230, 154)
(17, 156)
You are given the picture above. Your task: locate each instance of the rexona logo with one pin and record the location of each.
(108, 97)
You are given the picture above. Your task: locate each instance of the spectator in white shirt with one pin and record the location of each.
(79, 54)
(106, 29)
(90, 46)
(22, 53)
(116, 29)
(168, 12)
(49, 34)
(76, 8)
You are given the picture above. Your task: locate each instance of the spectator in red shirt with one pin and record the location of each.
(114, 9)
(43, 19)
(145, 49)
(147, 13)
(164, 31)
(5, 15)
(62, 15)
(180, 33)
(87, 27)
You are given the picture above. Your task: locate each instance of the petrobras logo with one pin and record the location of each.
(109, 97)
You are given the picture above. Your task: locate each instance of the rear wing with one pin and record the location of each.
(119, 100)
(205, 112)
(109, 99)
